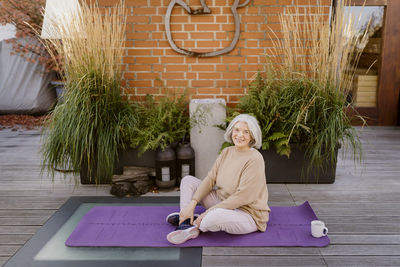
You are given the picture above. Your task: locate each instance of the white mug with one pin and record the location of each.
(318, 229)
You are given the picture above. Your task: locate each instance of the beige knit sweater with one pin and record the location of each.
(239, 179)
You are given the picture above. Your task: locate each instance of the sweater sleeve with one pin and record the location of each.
(208, 183)
(251, 181)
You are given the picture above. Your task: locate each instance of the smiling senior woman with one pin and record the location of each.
(234, 192)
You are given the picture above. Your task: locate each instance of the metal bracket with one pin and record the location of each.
(203, 10)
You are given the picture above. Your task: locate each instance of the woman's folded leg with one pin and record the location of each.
(231, 221)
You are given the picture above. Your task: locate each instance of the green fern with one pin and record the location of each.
(160, 123)
(277, 136)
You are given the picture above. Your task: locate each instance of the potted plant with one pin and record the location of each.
(302, 127)
(160, 124)
(300, 98)
(84, 131)
(153, 140)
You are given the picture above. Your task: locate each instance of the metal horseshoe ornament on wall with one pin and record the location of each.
(203, 10)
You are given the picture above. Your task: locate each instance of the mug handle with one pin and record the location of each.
(325, 231)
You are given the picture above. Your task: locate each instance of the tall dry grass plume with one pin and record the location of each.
(325, 51)
(90, 41)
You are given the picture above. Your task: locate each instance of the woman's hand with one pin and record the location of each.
(187, 212)
(197, 222)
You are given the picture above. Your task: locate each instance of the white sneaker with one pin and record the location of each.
(182, 234)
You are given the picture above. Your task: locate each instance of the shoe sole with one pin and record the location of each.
(181, 236)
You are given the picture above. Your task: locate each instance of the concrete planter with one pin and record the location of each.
(280, 169)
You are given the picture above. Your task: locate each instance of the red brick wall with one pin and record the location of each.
(152, 67)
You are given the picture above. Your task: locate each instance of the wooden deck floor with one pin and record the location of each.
(361, 209)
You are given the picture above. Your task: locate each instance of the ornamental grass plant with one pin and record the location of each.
(301, 96)
(84, 131)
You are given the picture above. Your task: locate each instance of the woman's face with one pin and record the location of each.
(241, 135)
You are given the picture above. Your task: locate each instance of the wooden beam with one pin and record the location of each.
(389, 85)
(369, 114)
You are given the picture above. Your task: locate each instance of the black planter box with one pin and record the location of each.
(130, 157)
(293, 170)
(86, 180)
(127, 157)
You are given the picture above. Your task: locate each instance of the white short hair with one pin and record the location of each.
(253, 126)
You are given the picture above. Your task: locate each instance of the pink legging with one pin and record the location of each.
(230, 221)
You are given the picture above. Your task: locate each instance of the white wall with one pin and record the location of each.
(57, 10)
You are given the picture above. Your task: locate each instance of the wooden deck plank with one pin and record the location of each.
(347, 196)
(321, 206)
(8, 250)
(369, 219)
(58, 192)
(371, 184)
(36, 187)
(346, 228)
(16, 229)
(357, 212)
(14, 239)
(248, 261)
(365, 239)
(357, 250)
(29, 205)
(7, 200)
(24, 221)
(343, 250)
(25, 213)
(365, 261)
(260, 251)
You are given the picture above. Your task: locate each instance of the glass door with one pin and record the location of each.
(365, 85)
(375, 92)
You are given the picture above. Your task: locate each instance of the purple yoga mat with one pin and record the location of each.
(145, 226)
